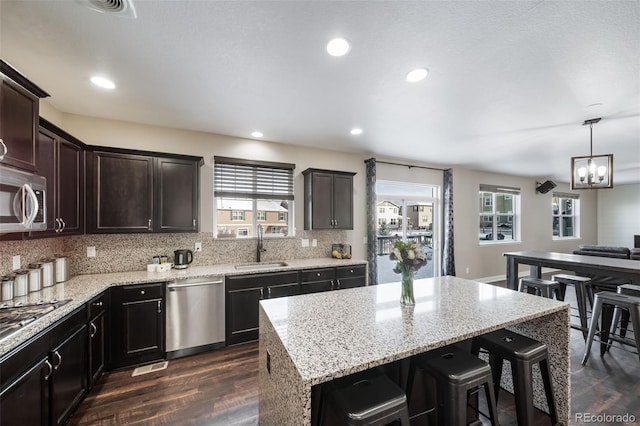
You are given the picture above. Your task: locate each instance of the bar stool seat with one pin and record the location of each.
(365, 398)
(581, 284)
(602, 305)
(544, 288)
(456, 373)
(522, 352)
(630, 290)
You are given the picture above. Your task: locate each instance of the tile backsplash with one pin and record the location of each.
(132, 252)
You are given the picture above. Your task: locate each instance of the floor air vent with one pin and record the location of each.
(150, 368)
(122, 8)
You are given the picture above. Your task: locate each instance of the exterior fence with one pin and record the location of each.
(385, 242)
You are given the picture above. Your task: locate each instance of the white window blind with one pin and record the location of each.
(237, 178)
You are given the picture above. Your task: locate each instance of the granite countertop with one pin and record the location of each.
(367, 326)
(82, 288)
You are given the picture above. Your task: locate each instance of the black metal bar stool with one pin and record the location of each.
(456, 373)
(581, 286)
(630, 290)
(365, 398)
(603, 305)
(522, 352)
(544, 288)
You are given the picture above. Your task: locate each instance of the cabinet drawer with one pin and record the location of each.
(351, 271)
(308, 275)
(133, 293)
(97, 305)
(238, 282)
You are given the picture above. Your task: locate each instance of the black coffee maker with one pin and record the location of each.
(182, 258)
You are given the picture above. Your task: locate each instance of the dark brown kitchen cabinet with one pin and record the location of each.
(133, 191)
(328, 199)
(120, 193)
(243, 294)
(31, 392)
(351, 276)
(97, 322)
(61, 159)
(176, 202)
(317, 280)
(137, 324)
(45, 378)
(19, 99)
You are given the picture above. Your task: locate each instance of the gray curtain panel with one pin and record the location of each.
(448, 261)
(372, 228)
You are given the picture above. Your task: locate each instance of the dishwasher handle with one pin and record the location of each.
(174, 286)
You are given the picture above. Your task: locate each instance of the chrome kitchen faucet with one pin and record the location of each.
(260, 249)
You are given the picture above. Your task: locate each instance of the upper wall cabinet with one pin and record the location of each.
(18, 118)
(328, 199)
(133, 191)
(60, 158)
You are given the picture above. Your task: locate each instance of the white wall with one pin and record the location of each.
(482, 261)
(618, 215)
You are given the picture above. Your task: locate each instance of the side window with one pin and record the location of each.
(499, 214)
(565, 208)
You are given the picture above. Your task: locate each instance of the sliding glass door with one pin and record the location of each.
(409, 212)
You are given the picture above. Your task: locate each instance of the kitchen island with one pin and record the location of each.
(311, 339)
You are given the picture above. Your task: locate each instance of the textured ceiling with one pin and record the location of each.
(510, 82)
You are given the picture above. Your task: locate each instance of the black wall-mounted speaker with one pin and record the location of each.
(545, 187)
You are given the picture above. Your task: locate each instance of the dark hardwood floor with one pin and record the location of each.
(221, 388)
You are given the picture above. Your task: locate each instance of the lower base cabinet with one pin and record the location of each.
(44, 380)
(137, 325)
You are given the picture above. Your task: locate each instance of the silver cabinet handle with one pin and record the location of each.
(96, 304)
(159, 306)
(332, 285)
(269, 292)
(338, 284)
(149, 225)
(141, 291)
(261, 293)
(57, 226)
(57, 355)
(64, 225)
(4, 150)
(48, 364)
(94, 329)
(194, 223)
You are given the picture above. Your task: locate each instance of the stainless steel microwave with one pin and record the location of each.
(22, 201)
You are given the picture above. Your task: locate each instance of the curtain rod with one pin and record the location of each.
(409, 165)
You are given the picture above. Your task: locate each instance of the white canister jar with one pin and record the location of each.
(35, 277)
(7, 288)
(21, 282)
(48, 272)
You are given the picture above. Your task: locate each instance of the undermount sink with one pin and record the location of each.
(259, 266)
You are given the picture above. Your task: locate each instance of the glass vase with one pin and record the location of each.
(406, 296)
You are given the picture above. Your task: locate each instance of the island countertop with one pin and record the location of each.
(311, 339)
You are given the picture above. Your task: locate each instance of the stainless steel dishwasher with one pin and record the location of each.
(195, 315)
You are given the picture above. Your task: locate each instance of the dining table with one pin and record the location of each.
(308, 340)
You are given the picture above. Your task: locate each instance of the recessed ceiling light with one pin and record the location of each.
(257, 134)
(338, 47)
(418, 74)
(356, 131)
(105, 83)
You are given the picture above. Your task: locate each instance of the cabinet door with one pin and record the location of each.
(343, 202)
(242, 314)
(18, 123)
(70, 187)
(26, 400)
(143, 330)
(47, 166)
(177, 192)
(322, 201)
(69, 378)
(122, 189)
(351, 276)
(96, 348)
(316, 286)
(282, 290)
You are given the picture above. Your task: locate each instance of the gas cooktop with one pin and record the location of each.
(13, 318)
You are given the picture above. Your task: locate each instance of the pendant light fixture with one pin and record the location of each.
(592, 171)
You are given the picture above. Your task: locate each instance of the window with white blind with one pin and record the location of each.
(565, 209)
(249, 193)
(499, 213)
